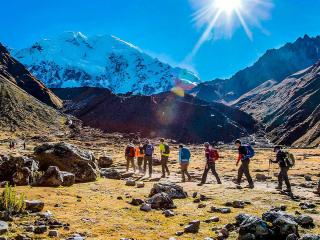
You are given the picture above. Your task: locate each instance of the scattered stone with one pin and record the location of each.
(235, 204)
(173, 190)
(110, 173)
(285, 226)
(204, 198)
(261, 177)
(292, 236)
(34, 206)
(146, 207)
(252, 227)
(105, 162)
(195, 194)
(3, 227)
(40, 229)
(220, 210)
(197, 200)
(310, 237)
(130, 182)
(119, 198)
(305, 221)
(136, 202)
(53, 233)
(168, 213)
(212, 219)
(140, 184)
(22, 237)
(76, 237)
(224, 233)
(179, 233)
(307, 205)
(202, 205)
(308, 177)
(192, 227)
(161, 201)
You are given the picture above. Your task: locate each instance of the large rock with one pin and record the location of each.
(173, 190)
(53, 177)
(18, 170)
(310, 237)
(105, 162)
(192, 227)
(22, 177)
(161, 201)
(251, 225)
(110, 173)
(34, 206)
(68, 158)
(285, 226)
(3, 227)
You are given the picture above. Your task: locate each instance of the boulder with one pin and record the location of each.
(34, 206)
(304, 221)
(130, 182)
(110, 173)
(161, 201)
(105, 162)
(192, 227)
(310, 237)
(52, 177)
(13, 169)
(68, 158)
(252, 225)
(22, 177)
(68, 179)
(285, 226)
(146, 207)
(173, 190)
(3, 227)
(261, 177)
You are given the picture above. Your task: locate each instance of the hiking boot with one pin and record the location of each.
(250, 186)
(235, 182)
(163, 176)
(287, 190)
(199, 184)
(219, 182)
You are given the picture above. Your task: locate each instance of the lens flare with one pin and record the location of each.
(222, 17)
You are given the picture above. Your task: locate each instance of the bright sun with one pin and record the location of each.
(228, 6)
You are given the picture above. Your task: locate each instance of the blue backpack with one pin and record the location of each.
(149, 150)
(185, 154)
(250, 152)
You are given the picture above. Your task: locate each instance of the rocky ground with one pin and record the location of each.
(110, 209)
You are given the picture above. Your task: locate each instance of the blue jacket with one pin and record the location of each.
(184, 155)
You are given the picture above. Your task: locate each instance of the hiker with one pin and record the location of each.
(212, 156)
(148, 152)
(285, 163)
(140, 156)
(164, 152)
(245, 153)
(184, 160)
(130, 154)
(24, 145)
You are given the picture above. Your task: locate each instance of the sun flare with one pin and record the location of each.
(228, 6)
(222, 17)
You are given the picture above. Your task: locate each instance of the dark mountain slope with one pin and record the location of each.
(275, 64)
(291, 109)
(14, 71)
(183, 118)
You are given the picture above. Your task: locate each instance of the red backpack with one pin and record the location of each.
(213, 155)
(130, 151)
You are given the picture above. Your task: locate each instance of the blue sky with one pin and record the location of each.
(163, 28)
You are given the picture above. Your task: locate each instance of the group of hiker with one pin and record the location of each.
(144, 154)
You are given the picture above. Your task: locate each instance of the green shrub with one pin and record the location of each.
(11, 202)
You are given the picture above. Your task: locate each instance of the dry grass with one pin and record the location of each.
(99, 215)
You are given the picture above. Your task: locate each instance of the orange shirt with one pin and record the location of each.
(138, 154)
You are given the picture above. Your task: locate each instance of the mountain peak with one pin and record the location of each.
(74, 60)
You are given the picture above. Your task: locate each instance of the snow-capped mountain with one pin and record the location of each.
(74, 60)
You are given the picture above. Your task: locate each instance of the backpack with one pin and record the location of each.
(185, 154)
(290, 160)
(130, 152)
(250, 151)
(149, 150)
(166, 149)
(213, 155)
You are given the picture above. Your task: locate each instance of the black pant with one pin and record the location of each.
(283, 176)
(164, 165)
(147, 160)
(244, 169)
(210, 166)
